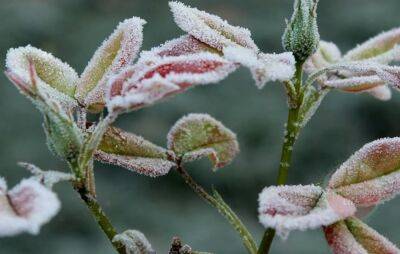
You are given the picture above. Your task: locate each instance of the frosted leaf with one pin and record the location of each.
(135, 242)
(355, 84)
(209, 28)
(52, 75)
(371, 175)
(146, 83)
(381, 93)
(312, 100)
(147, 166)
(197, 135)
(352, 236)
(299, 207)
(264, 67)
(380, 48)
(116, 52)
(326, 54)
(26, 207)
(47, 178)
(183, 45)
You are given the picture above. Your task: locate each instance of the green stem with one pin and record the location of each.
(291, 133)
(217, 202)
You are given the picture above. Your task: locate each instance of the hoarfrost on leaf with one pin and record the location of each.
(47, 178)
(197, 135)
(26, 207)
(352, 236)
(116, 52)
(209, 28)
(135, 242)
(371, 175)
(299, 207)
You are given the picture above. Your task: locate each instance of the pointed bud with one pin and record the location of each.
(301, 35)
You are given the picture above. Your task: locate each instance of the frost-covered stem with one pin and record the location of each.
(291, 132)
(99, 215)
(223, 208)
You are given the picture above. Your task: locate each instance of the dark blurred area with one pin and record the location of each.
(165, 207)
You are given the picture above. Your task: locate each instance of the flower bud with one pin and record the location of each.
(301, 35)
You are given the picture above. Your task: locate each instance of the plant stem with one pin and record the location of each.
(291, 132)
(99, 215)
(223, 208)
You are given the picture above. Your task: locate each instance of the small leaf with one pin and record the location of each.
(116, 52)
(52, 75)
(134, 153)
(209, 28)
(264, 67)
(327, 53)
(352, 236)
(371, 175)
(135, 242)
(160, 77)
(198, 135)
(47, 178)
(382, 93)
(382, 48)
(288, 208)
(312, 100)
(26, 207)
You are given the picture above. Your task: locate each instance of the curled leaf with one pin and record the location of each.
(52, 75)
(135, 242)
(146, 83)
(210, 29)
(371, 175)
(47, 178)
(198, 135)
(352, 236)
(116, 52)
(26, 207)
(382, 48)
(264, 67)
(133, 152)
(288, 208)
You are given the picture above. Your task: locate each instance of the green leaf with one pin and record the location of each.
(198, 135)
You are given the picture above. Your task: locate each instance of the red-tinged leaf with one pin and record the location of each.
(371, 175)
(352, 236)
(210, 29)
(198, 135)
(116, 52)
(288, 208)
(164, 77)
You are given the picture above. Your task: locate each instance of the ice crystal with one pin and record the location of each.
(264, 67)
(371, 175)
(155, 78)
(198, 135)
(116, 52)
(135, 242)
(299, 207)
(26, 207)
(209, 28)
(352, 236)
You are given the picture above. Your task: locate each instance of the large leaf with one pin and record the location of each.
(371, 175)
(116, 52)
(133, 152)
(288, 208)
(198, 135)
(352, 236)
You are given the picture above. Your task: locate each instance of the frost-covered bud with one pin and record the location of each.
(301, 35)
(135, 242)
(26, 207)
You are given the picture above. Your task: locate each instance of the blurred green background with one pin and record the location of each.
(166, 207)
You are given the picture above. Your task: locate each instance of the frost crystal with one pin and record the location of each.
(288, 208)
(55, 77)
(371, 175)
(155, 78)
(26, 207)
(210, 29)
(264, 67)
(198, 135)
(352, 236)
(115, 53)
(135, 242)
